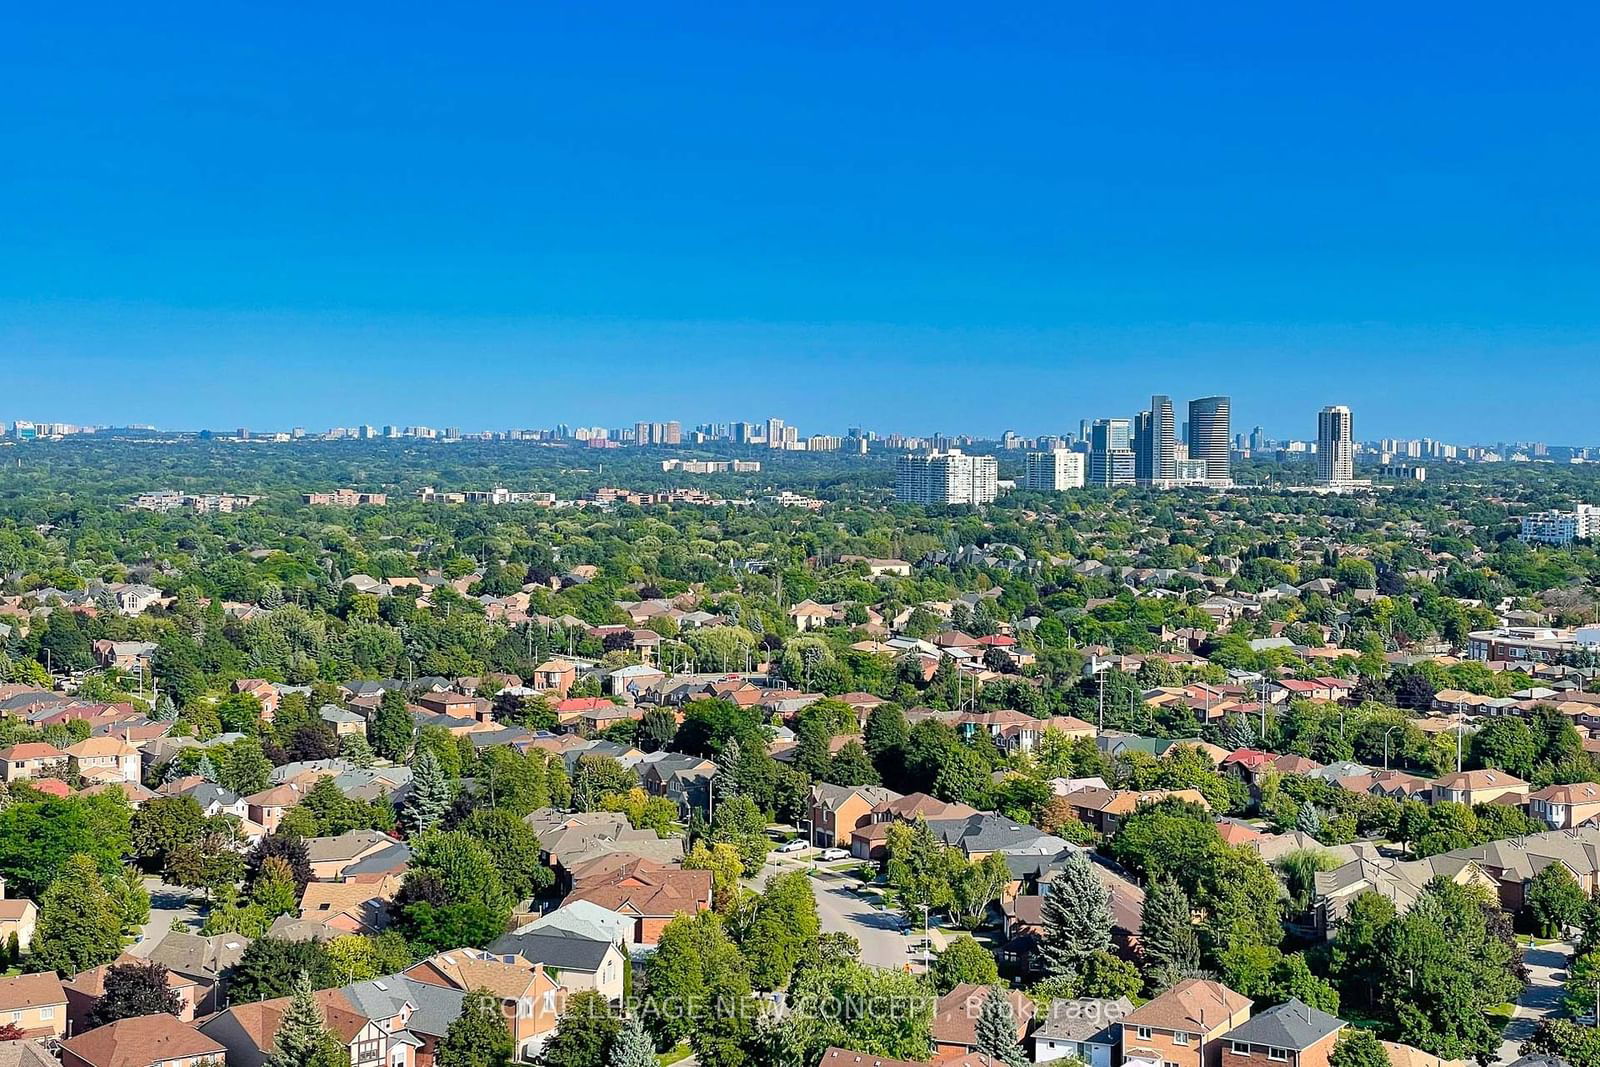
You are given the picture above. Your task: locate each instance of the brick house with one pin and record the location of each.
(142, 1041)
(29, 760)
(955, 1018)
(651, 893)
(104, 759)
(1293, 1034)
(1182, 1027)
(835, 811)
(34, 1002)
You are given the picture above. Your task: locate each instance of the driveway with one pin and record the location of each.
(1541, 999)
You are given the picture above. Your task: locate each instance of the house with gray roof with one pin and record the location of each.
(1083, 1029)
(576, 960)
(1293, 1034)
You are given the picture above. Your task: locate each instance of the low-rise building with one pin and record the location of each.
(1182, 1027)
(1084, 1029)
(142, 1041)
(1292, 1034)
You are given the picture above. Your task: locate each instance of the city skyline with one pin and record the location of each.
(230, 220)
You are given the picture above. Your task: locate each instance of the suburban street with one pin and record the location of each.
(842, 910)
(1540, 999)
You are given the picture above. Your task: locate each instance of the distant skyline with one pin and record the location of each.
(914, 218)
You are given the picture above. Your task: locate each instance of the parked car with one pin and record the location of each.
(834, 854)
(797, 845)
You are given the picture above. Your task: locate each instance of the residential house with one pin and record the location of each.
(457, 706)
(955, 1018)
(371, 1034)
(349, 907)
(684, 780)
(651, 893)
(1084, 1029)
(356, 855)
(571, 959)
(18, 917)
(835, 811)
(142, 1041)
(1479, 787)
(267, 807)
(1104, 809)
(206, 960)
(1182, 1027)
(586, 919)
(36, 1003)
(809, 615)
(1563, 806)
(104, 759)
(528, 993)
(554, 676)
(124, 655)
(31, 759)
(1292, 1034)
(86, 987)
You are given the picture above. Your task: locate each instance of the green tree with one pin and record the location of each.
(1358, 1048)
(514, 848)
(391, 732)
(302, 1039)
(479, 1036)
(1169, 940)
(996, 1031)
(1076, 917)
(164, 824)
(963, 960)
(656, 730)
(694, 957)
(738, 822)
(585, 1032)
(726, 867)
(1554, 900)
(431, 794)
(269, 967)
(80, 925)
(783, 923)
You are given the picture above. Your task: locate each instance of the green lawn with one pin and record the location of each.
(673, 1055)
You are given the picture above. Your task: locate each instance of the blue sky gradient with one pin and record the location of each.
(908, 216)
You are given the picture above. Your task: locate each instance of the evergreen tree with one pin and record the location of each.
(1167, 934)
(730, 783)
(206, 769)
(1239, 733)
(165, 710)
(997, 1029)
(479, 1036)
(431, 794)
(1310, 820)
(303, 1039)
(1077, 918)
(632, 1046)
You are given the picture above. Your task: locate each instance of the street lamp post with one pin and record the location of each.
(1386, 734)
(926, 944)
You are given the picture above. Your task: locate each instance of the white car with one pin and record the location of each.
(833, 854)
(797, 845)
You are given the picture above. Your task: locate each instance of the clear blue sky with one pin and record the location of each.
(920, 216)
